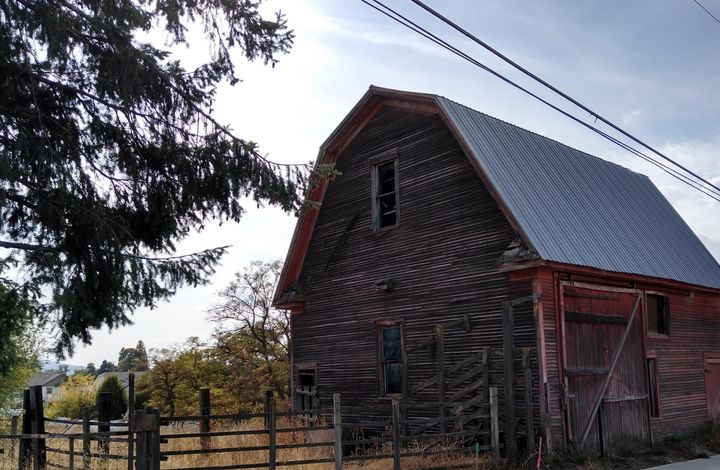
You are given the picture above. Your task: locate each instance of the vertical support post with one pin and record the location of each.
(204, 398)
(71, 453)
(24, 451)
(104, 403)
(440, 337)
(486, 383)
(267, 398)
(131, 421)
(37, 426)
(508, 357)
(405, 391)
(337, 423)
(86, 438)
(396, 433)
(494, 423)
(529, 406)
(272, 436)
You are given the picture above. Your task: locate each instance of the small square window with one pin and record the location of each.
(385, 197)
(391, 358)
(658, 314)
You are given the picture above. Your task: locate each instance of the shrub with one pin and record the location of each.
(117, 404)
(76, 394)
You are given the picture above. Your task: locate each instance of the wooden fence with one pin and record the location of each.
(148, 441)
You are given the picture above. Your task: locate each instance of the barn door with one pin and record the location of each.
(712, 385)
(606, 399)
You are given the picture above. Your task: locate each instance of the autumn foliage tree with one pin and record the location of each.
(110, 154)
(249, 327)
(247, 354)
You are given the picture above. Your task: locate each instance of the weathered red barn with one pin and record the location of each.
(441, 213)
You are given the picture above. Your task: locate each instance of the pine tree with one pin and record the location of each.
(109, 153)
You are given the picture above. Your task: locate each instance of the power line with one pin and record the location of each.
(707, 11)
(557, 91)
(399, 18)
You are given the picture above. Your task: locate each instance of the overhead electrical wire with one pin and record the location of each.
(530, 74)
(399, 18)
(707, 11)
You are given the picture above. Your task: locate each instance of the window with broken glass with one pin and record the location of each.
(386, 195)
(658, 315)
(391, 358)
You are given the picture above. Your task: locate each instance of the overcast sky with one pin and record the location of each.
(651, 66)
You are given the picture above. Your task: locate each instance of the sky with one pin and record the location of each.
(651, 67)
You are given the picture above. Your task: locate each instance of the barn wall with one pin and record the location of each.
(694, 331)
(443, 257)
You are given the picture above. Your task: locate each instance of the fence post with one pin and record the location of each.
(86, 438)
(494, 423)
(141, 455)
(24, 450)
(337, 423)
(13, 430)
(396, 433)
(71, 454)
(529, 415)
(440, 335)
(204, 396)
(509, 375)
(130, 421)
(104, 405)
(267, 398)
(272, 436)
(155, 440)
(37, 426)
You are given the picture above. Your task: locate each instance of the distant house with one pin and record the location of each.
(122, 376)
(50, 383)
(442, 214)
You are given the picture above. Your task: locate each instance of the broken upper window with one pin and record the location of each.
(658, 314)
(385, 203)
(391, 358)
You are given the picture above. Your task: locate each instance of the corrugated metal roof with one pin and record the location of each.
(579, 209)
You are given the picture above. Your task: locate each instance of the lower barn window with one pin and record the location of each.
(391, 358)
(306, 390)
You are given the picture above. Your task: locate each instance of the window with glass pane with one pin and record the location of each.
(386, 195)
(391, 358)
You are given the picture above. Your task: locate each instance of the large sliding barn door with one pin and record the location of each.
(604, 369)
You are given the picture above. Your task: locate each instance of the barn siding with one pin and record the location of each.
(443, 257)
(694, 330)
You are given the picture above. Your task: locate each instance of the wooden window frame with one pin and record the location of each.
(652, 334)
(653, 393)
(377, 161)
(379, 325)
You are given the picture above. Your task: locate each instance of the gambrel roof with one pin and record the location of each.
(568, 206)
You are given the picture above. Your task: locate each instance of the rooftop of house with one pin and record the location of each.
(47, 379)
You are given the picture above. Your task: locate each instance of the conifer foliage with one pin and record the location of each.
(109, 154)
